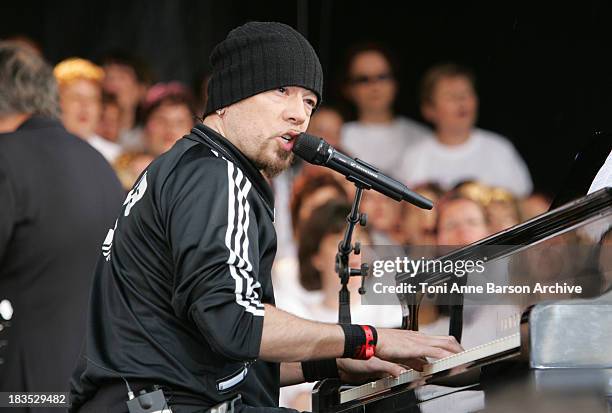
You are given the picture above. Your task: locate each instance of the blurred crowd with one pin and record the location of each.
(478, 181)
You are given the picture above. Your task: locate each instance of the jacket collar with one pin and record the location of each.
(37, 122)
(212, 139)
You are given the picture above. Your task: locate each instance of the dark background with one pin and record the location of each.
(544, 71)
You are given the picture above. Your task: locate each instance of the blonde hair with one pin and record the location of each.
(484, 194)
(123, 167)
(72, 69)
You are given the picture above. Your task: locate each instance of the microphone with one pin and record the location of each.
(317, 151)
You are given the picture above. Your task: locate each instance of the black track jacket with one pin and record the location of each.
(177, 298)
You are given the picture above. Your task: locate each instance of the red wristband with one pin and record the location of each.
(367, 350)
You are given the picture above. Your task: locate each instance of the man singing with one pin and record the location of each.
(182, 296)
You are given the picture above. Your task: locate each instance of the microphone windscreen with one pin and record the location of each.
(306, 147)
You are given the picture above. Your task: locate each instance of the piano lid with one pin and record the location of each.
(570, 217)
(564, 254)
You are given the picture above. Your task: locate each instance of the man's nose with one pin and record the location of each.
(295, 112)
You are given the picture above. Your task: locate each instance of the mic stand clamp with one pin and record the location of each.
(345, 247)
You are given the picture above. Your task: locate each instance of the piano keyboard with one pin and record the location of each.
(480, 352)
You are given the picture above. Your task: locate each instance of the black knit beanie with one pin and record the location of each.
(261, 56)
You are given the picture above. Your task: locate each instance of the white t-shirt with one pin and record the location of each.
(132, 140)
(282, 185)
(382, 145)
(485, 157)
(108, 149)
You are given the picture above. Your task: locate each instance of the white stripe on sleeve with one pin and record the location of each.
(239, 264)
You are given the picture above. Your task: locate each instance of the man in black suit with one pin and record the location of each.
(58, 198)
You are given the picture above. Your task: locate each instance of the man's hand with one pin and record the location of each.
(411, 347)
(358, 371)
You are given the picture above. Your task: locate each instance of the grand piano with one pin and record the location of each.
(549, 351)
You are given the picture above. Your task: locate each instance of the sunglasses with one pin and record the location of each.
(364, 79)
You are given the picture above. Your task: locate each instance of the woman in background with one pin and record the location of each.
(378, 136)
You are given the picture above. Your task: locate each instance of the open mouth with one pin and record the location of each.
(287, 142)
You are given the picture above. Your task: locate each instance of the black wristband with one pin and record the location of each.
(320, 369)
(354, 338)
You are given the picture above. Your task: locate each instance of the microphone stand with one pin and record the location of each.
(345, 247)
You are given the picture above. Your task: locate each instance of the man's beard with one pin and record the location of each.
(273, 167)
